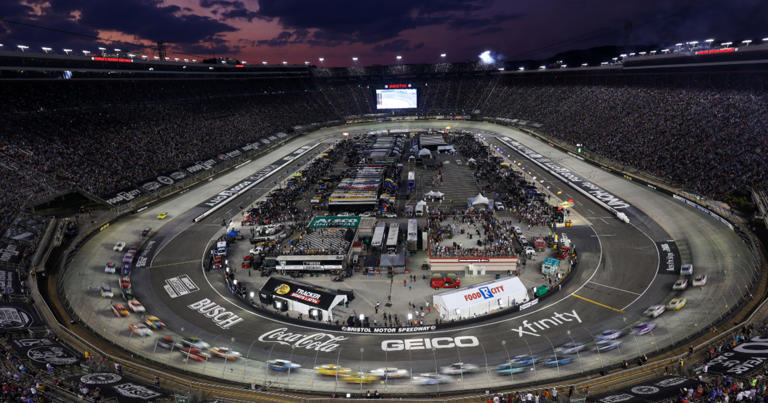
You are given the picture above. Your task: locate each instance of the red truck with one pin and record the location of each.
(562, 253)
(448, 280)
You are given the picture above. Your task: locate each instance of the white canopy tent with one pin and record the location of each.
(425, 153)
(480, 200)
(435, 194)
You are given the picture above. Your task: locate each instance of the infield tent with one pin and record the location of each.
(480, 201)
(291, 295)
(425, 153)
(480, 299)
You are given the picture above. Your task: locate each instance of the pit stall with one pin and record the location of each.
(480, 299)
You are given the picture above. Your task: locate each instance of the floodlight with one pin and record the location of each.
(443, 55)
(398, 57)
(46, 49)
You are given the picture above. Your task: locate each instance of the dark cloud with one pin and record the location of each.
(486, 31)
(230, 9)
(397, 45)
(482, 22)
(285, 38)
(240, 13)
(363, 21)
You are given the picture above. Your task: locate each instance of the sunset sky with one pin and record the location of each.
(374, 31)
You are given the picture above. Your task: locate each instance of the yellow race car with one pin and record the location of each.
(162, 215)
(331, 370)
(359, 377)
(676, 304)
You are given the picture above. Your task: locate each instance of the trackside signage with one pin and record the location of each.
(322, 342)
(215, 312)
(335, 222)
(532, 327)
(429, 343)
(575, 180)
(654, 390)
(742, 359)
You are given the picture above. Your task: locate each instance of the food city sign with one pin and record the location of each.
(429, 343)
(323, 342)
(217, 313)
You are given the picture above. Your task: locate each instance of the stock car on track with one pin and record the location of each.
(153, 322)
(391, 373)
(643, 328)
(194, 354)
(654, 311)
(700, 280)
(119, 246)
(140, 329)
(165, 342)
(125, 282)
(431, 379)
(224, 352)
(136, 306)
(162, 215)
(106, 291)
(331, 370)
(110, 268)
(509, 368)
(610, 334)
(193, 342)
(680, 284)
(524, 360)
(606, 345)
(459, 368)
(556, 361)
(676, 304)
(282, 365)
(120, 310)
(359, 377)
(571, 348)
(686, 270)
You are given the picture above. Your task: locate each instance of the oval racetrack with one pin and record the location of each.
(620, 274)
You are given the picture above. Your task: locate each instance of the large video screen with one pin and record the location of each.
(396, 99)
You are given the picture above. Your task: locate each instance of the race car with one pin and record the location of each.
(607, 345)
(165, 342)
(524, 360)
(127, 293)
(570, 348)
(136, 306)
(224, 352)
(359, 377)
(557, 360)
(643, 328)
(700, 280)
(686, 270)
(680, 284)
(120, 310)
(194, 354)
(106, 291)
(140, 329)
(611, 334)
(509, 368)
(193, 342)
(654, 311)
(119, 246)
(431, 379)
(458, 368)
(162, 215)
(391, 373)
(125, 282)
(676, 304)
(110, 268)
(282, 365)
(153, 322)
(331, 370)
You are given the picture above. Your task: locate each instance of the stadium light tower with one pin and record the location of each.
(746, 42)
(584, 65)
(521, 68)
(322, 59)
(709, 42)
(144, 57)
(284, 62)
(67, 51)
(156, 57)
(131, 55)
(46, 49)
(443, 55)
(86, 52)
(118, 50)
(264, 62)
(764, 40)
(726, 44)
(398, 57)
(102, 49)
(354, 59)
(22, 47)
(306, 62)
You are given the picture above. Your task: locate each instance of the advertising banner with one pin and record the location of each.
(335, 222)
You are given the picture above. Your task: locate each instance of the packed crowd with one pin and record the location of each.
(101, 136)
(495, 237)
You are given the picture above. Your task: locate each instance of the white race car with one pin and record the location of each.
(654, 311)
(680, 284)
(700, 280)
(459, 368)
(431, 379)
(135, 306)
(119, 246)
(391, 373)
(140, 329)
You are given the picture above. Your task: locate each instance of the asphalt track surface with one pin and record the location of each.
(618, 277)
